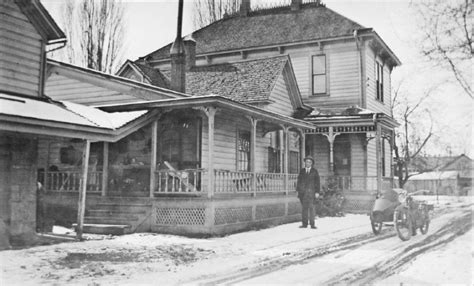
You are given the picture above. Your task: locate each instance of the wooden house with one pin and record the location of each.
(253, 94)
(442, 175)
(342, 70)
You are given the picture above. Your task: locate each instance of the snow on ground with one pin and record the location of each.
(146, 258)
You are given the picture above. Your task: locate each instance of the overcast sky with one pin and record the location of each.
(151, 24)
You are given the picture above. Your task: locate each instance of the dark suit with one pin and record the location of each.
(307, 186)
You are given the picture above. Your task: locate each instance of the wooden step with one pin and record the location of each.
(114, 229)
(99, 212)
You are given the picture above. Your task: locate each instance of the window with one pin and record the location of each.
(318, 73)
(243, 151)
(379, 80)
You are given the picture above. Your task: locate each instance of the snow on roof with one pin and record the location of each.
(101, 118)
(65, 112)
(435, 176)
(37, 109)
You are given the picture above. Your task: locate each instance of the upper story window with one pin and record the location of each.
(319, 74)
(243, 151)
(379, 80)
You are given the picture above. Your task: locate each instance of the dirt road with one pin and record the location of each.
(357, 260)
(343, 250)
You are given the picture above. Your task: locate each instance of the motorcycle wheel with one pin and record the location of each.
(403, 224)
(426, 222)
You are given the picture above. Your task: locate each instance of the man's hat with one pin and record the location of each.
(308, 158)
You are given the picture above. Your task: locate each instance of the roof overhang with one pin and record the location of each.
(212, 101)
(369, 119)
(43, 22)
(380, 45)
(72, 83)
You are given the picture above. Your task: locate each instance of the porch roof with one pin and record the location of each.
(351, 116)
(211, 101)
(65, 119)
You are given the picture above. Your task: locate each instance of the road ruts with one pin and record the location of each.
(380, 270)
(383, 269)
(270, 264)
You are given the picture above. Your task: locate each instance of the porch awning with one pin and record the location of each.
(214, 101)
(66, 119)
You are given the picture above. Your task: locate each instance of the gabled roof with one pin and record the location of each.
(247, 81)
(430, 163)
(154, 76)
(268, 27)
(43, 22)
(66, 82)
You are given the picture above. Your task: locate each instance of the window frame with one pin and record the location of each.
(312, 75)
(239, 162)
(379, 81)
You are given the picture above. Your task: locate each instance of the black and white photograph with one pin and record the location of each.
(236, 142)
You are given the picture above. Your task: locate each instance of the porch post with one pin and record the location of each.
(331, 137)
(378, 157)
(253, 152)
(82, 193)
(286, 149)
(392, 143)
(105, 169)
(302, 146)
(154, 135)
(210, 112)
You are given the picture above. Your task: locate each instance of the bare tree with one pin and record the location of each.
(95, 32)
(209, 11)
(411, 138)
(447, 37)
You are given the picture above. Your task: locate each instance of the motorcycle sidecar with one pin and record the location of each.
(383, 209)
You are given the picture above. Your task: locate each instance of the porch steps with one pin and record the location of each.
(114, 229)
(117, 217)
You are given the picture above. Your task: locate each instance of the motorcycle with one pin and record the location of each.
(383, 209)
(411, 215)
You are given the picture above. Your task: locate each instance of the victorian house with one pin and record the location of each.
(342, 71)
(205, 135)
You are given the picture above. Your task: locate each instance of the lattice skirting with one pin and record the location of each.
(270, 211)
(232, 215)
(180, 216)
(294, 208)
(353, 205)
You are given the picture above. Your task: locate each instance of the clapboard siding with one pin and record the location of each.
(320, 153)
(21, 52)
(357, 155)
(371, 159)
(281, 101)
(226, 127)
(372, 102)
(343, 80)
(388, 159)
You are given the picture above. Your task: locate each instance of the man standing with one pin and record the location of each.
(307, 187)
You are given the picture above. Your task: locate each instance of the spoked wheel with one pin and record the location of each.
(376, 225)
(426, 222)
(403, 224)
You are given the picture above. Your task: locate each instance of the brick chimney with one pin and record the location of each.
(190, 51)
(296, 4)
(245, 8)
(178, 57)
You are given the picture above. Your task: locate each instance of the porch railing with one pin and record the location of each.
(195, 181)
(71, 181)
(184, 181)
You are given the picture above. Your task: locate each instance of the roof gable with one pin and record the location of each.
(41, 20)
(148, 74)
(268, 27)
